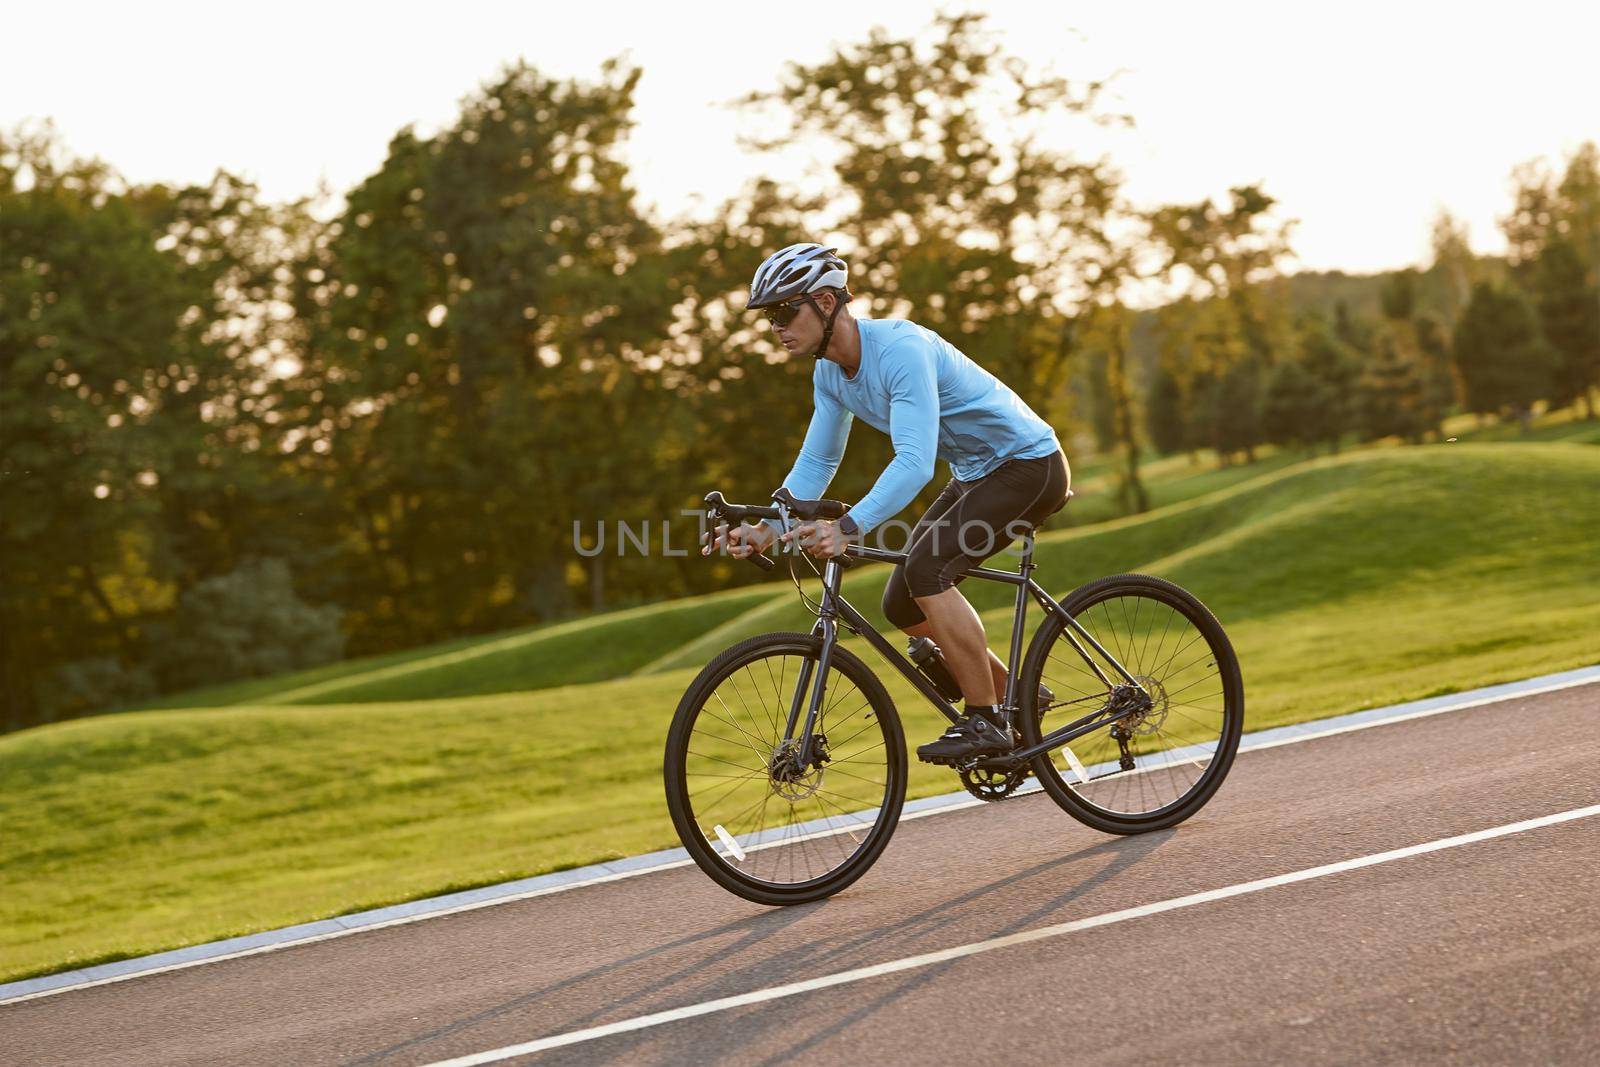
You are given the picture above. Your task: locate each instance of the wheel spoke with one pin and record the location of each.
(1175, 736)
(791, 825)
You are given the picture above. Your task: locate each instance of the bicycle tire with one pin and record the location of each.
(1229, 710)
(731, 873)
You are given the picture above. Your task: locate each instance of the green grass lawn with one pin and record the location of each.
(583, 650)
(1175, 478)
(1378, 576)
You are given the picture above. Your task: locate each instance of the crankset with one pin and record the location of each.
(992, 783)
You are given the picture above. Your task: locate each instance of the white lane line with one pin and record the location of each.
(528, 888)
(1333, 729)
(827, 981)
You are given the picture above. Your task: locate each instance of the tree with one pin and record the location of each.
(1546, 207)
(1223, 254)
(1406, 389)
(1102, 334)
(1397, 297)
(477, 371)
(1336, 368)
(1453, 258)
(957, 212)
(90, 313)
(224, 488)
(1222, 250)
(1204, 413)
(1236, 420)
(1102, 408)
(1390, 400)
(137, 455)
(1292, 404)
(1553, 234)
(1355, 331)
(1580, 206)
(1569, 315)
(1166, 415)
(1504, 363)
(1439, 387)
(1196, 342)
(244, 624)
(90, 684)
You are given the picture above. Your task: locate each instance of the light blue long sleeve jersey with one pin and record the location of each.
(931, 400)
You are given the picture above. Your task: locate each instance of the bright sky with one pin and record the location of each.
(1362, 118)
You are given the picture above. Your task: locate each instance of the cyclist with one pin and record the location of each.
(910, 383)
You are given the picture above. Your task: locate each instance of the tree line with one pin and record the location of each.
(242, 436)
(1468, 334)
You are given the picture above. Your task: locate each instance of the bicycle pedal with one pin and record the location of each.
(955, 763)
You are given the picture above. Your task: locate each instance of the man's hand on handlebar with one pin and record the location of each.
(741, 542)
(822, 539)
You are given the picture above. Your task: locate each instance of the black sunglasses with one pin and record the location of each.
(783, 314)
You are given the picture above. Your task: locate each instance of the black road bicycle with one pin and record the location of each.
(786, 764)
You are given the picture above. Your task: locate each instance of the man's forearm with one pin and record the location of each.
(895, 488)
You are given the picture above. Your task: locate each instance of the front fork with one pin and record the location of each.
(828, 627)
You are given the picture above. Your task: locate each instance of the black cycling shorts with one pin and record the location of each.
(968, 523)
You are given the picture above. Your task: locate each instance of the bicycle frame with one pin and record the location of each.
(835, 609)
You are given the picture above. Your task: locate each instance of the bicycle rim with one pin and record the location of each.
(1155, 767)
(753, 816)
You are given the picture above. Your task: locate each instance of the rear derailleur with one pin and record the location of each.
(1133, 704)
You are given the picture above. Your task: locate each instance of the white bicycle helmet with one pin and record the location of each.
(795, 271)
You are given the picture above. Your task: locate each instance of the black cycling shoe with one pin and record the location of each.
(979, 733)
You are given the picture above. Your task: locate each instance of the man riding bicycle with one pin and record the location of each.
(908, 382)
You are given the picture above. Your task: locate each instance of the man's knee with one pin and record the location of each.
(898, 606)
(916, 577)
(902, 611)
(926, 576)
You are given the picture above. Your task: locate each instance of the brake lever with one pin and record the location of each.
(715, 503)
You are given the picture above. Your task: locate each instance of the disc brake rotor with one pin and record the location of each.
(787, 777)
(1151, 719)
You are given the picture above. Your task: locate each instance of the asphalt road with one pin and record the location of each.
(1487, 951)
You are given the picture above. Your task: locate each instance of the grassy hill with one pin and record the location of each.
(584, 650)
(690, 630)
(1345, 582)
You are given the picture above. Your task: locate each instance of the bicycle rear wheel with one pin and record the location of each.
(759, 823)
(1153, 768)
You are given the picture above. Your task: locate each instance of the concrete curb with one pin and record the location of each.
(522, 889)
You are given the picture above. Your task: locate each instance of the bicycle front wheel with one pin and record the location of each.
(766, 820)
(1155, 766)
